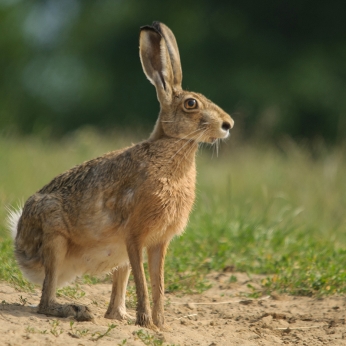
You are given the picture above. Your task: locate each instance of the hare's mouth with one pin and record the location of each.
(224, 135)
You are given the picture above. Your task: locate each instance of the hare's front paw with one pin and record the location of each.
(159, 321)
(144, 320)
(78, 312)
(163, 327)
(118, 314)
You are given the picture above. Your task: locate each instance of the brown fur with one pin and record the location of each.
(101, 214)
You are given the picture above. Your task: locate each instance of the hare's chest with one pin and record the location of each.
(170, 207)
(178, 198)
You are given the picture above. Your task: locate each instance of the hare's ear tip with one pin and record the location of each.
(155, 26)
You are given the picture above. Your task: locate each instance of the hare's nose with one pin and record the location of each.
(226, 126)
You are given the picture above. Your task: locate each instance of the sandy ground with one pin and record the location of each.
(219, 316)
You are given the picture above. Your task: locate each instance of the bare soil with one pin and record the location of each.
(219, 316)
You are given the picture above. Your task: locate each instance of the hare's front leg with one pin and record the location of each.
(143, 318)
(117, 309)
(54, 253)
(156, 259)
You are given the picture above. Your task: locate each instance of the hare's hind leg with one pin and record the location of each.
(117, 309)
(156, 259)
(54, 252)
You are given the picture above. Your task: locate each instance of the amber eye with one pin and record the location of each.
(191, 104)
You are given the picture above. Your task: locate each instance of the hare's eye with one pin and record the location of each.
(191, 104)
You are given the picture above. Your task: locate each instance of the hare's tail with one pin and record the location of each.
(12, 220)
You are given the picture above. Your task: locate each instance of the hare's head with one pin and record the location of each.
(183, 114)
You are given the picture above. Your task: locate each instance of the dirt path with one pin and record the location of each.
(217, 317)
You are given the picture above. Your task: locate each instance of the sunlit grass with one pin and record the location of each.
(279, 211)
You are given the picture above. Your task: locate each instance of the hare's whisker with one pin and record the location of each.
(224, 141)
(189, 150)
(182, 159)
(203, 145)
(189, 140)
(196, 140)
(187, 135)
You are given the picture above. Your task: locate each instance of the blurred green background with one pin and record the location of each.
(279, 67)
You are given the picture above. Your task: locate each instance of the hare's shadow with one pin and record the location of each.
(17, 309)
(20, 310)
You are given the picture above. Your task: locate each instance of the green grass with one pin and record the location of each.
(148, 339)
(278, 211)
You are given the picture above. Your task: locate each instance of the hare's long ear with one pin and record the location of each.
(173, 50)
(156, 62)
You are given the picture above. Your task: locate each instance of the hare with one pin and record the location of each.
(100, 215)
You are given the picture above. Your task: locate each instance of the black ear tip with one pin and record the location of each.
(157, 25)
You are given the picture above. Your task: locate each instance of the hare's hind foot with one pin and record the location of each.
(78, 312)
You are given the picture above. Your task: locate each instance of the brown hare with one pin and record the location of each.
(100, 215)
